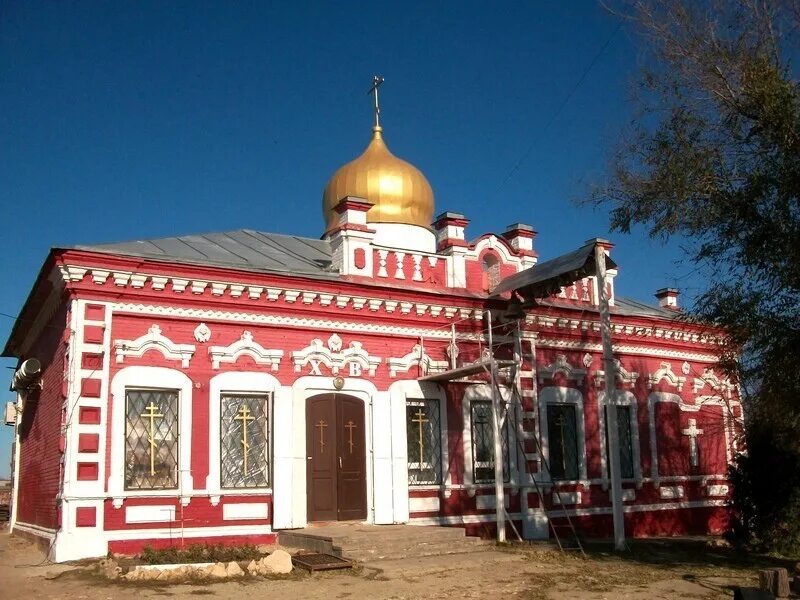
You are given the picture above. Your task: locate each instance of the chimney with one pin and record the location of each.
(668, 298)
(520, 236)
(353, 212)
(449, 228)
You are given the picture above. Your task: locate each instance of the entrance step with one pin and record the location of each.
(366, 543)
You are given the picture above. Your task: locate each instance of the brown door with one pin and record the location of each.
(336, 465)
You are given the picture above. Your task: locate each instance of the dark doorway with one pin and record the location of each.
(336, 458)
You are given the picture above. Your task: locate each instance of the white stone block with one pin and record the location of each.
(249, 510)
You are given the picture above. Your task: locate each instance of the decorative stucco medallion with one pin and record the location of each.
(202, 333)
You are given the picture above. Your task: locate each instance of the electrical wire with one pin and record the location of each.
(557, 113)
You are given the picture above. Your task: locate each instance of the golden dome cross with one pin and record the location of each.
(377, 80)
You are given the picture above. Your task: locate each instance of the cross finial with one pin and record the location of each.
(377, 80)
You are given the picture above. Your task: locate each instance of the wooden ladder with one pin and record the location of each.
(568, 540)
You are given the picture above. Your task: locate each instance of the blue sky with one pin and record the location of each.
(130, 120)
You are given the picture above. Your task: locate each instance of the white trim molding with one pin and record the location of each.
(562, 365)
(665, 372)
(726, 413)
(335, 358)
(244, 382)
(621, 398)
(154, 340)
(549, 395)
(483, 391)
(400, 392)
(716, 383)
(417, 356)
(150, 378)
(622, 375)
(246, 346)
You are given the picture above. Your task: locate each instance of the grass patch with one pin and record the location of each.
(198, 553)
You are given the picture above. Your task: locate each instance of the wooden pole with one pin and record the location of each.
(611, 407)
(500, 504)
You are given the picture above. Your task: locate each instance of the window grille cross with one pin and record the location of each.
(152, 415)
(244, 416)
(420, 420)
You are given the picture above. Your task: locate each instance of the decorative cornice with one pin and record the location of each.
(186, 286)
(336, 358)
(718, 385)
(622, 375)
(429, 333)
(153, 339)
(562, 365)
(417, 356)
(665, 372)
(247, 346)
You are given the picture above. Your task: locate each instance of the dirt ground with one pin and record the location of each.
(654, 569)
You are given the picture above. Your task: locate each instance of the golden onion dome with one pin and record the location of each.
(399, 191)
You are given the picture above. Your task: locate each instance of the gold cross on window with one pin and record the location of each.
(244, 416)
(420, 420)
(151, 434)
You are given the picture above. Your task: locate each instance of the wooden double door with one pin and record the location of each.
(336, 458)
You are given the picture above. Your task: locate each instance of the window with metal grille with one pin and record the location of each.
(244, 440)
(562, 441)
(625, 442)
(483, 443)
(424, 438)
(151, 439)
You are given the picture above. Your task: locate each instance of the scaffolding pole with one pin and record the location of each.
(499, 492)
(611, 405)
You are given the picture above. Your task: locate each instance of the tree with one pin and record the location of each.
(713, 156)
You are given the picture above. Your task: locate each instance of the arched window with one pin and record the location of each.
(490, 266)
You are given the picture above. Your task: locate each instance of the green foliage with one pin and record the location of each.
(714, 158)
(198, 553)
(766, 495)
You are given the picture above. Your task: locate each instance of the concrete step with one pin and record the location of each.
(401, 551)
(393, 553)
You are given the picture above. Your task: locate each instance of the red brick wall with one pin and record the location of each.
(40, 430)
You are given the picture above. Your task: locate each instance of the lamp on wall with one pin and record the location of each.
(27, 375)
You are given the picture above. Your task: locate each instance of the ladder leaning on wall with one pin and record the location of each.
(564, 534)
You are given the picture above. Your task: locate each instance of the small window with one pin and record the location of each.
(483, 443)
(562, 441)
(151, 439)
(424, 440)
(625, 442)
(244, 430)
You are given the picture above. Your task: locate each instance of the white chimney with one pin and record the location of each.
(668, 298)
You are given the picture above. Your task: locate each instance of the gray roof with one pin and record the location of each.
(547, 278)
(629, 306)
(251, 250)
(242, 249)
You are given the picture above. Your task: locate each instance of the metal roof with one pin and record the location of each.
(252, 250)
(242, 249)
(547, 278)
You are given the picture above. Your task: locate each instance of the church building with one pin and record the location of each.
(223, 387)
